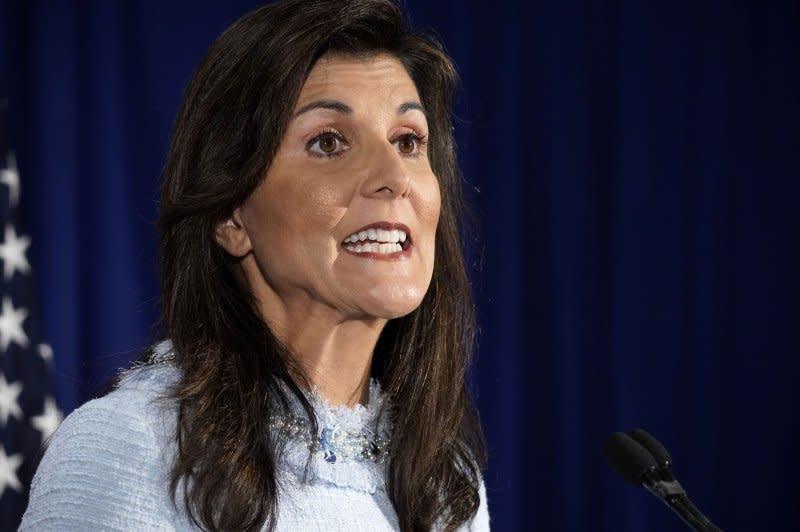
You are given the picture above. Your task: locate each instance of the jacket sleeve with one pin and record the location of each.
(103, 470)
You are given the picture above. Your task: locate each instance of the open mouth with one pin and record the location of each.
(380, 238)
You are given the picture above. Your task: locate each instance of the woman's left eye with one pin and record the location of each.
(409, 144)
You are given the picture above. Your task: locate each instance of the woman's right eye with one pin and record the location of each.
(327, 144)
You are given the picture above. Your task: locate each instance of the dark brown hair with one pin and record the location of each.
(235, 373)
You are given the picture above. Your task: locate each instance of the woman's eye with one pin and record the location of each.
(409, 144)
(327, 144)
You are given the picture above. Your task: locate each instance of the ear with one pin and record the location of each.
(232, 236)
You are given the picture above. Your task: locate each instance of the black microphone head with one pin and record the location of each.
(646, 440)
(628, 458)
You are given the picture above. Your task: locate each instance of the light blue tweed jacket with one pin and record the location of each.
(107, 466)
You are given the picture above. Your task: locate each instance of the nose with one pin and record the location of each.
(388, 175)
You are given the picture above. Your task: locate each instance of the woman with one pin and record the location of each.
(314, 376)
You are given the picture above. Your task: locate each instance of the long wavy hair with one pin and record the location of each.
(235, 372)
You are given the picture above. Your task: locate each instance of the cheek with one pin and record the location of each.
(324, 203)
(428, 209)
(430, 206)
(304, 213)
(435, 206)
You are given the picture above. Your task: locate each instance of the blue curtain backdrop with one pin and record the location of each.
(633, 167)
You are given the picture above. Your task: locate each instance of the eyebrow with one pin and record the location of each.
(343, 108)
(410, 106)
(332, 105)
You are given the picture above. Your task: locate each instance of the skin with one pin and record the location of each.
(326, 304)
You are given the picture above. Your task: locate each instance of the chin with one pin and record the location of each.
(394, 303)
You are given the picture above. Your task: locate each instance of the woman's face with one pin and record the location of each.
(346, 215)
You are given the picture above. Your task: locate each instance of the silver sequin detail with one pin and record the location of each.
(334, 443)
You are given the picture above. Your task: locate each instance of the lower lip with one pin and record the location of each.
(397, 255)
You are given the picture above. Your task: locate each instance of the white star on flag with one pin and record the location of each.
(12, 251)
(8, 400)
(48, 422)
(46, 352)
(11, 325)
(10, 176)
(8, 471)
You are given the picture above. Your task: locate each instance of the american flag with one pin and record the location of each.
(28, 411)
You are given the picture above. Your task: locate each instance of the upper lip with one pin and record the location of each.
(386, 226)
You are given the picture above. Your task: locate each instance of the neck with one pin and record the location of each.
(336, 358)
(334, 353)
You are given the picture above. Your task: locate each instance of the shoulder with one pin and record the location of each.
(106, 465)
(480, 522)
(137, 406)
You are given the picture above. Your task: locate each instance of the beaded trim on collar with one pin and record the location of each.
(335, 443)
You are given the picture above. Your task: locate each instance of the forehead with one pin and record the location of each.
(346, 77)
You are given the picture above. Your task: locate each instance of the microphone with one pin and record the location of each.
(640, 459)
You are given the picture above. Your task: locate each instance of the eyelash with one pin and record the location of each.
(420, 140)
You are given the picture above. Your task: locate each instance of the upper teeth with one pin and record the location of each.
(378, 235)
